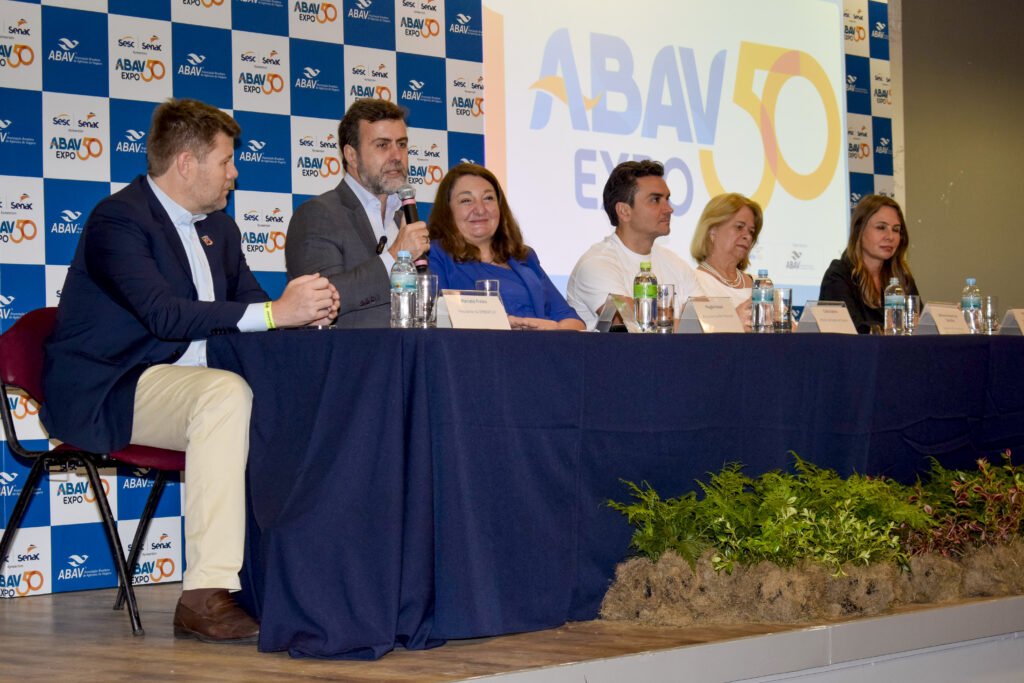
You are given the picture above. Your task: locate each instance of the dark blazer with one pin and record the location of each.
(838, 285)
(331, 235)
(129, 302)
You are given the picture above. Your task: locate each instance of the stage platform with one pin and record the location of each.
(77, 636)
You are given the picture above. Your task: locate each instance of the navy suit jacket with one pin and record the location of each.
(128, 303)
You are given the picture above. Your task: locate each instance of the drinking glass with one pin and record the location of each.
(666, 307)
(782, 304)
(913, 314)
(424, 314)
(489, 286)
(990, 314)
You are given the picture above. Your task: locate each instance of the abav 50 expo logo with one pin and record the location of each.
(694, 116)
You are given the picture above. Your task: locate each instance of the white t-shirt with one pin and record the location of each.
(714, 287)
(609, 267)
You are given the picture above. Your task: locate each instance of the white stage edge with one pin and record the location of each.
(979, 642)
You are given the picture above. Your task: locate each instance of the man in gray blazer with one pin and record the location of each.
(352, 234)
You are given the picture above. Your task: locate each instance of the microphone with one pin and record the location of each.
(407, 193)
(381, 244)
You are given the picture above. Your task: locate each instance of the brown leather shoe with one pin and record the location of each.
(212, 616)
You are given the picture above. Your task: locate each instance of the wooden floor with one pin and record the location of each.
(77, 636)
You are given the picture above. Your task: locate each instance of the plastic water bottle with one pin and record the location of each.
(645, 298)
(895, 308)
(761, 296)
(970, 304)
(403, 291)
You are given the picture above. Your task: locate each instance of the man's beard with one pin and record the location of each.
(377, 184)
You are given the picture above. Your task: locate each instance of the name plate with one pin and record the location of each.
(941, 318)
(616, 304)
(827, 318)
(708, 315)
(1013, 323)
(471, 310)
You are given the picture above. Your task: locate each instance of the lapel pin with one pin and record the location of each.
(207, 241)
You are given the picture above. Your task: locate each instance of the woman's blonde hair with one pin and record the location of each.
(718, 210)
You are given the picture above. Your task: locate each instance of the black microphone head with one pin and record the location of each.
(406, 191)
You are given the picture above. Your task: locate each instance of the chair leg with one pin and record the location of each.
(115, 544)
(140, 532)
(34, 476)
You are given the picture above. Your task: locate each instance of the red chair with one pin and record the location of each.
(21, 366)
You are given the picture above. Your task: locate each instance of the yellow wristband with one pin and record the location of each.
(268, 316)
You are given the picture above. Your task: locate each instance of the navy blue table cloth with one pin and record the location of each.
(411, 486)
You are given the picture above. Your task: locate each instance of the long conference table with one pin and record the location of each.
(411, 486)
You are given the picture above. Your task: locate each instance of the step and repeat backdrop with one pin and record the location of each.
(78, 84)
(580, 87)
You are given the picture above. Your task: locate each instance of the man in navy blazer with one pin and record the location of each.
(158, 269)
(353, 233)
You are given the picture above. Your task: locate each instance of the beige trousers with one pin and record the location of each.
(204, 412)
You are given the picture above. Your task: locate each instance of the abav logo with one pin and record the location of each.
(319, 12)
(854, 29)
(73, 492)
(65, 50)
(24, 582)
(193, 65)
(68, 223)
(132, 142)
(361, 10)
(418, 27)
(81, 146)
(153, 571)
(461, 25)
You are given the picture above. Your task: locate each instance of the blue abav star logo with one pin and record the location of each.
(81, 559)
(13, 475)
(129, 125)
(263, 158)
(68, 204)
(317, 79)
(465, 148)
(881, 130)
(201, 64)
(464, 30)
(878, 26)
(21, 132)
(75, 45)
(370, 23)
(858, 85)
(22, 289)
(421, 87)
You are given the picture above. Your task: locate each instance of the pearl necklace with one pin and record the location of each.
(735, 283)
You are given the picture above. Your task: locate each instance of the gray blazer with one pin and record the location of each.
(331, 235)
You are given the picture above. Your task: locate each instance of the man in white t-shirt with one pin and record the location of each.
(636, 200)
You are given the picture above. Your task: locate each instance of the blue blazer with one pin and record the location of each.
(128, 303)
(525, 288)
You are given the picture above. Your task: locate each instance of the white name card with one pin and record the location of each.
(1013, 323)
(471, 310)
(708, 315)
(941, 318)
(828, 318)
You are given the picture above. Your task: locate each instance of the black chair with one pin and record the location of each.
(21, 366)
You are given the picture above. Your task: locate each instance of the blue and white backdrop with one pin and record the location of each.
(79, 80)
(78, 83)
